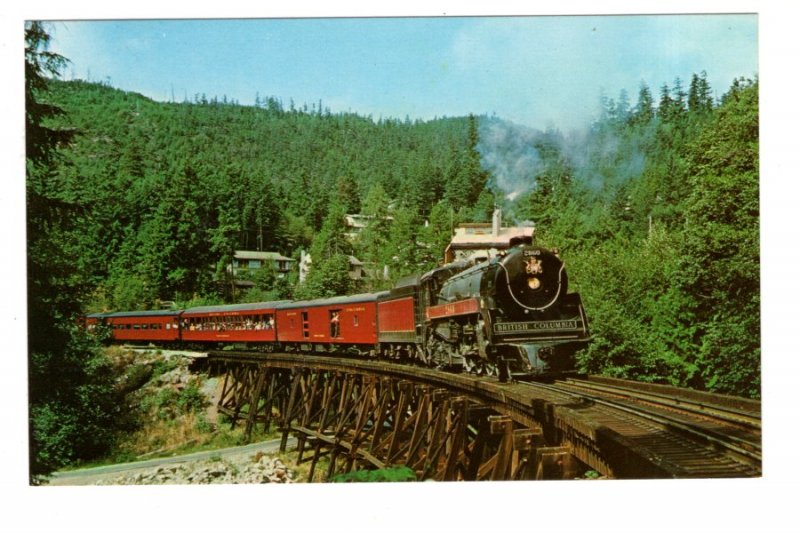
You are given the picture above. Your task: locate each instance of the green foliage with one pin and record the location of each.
(191, 399)
(73, 404)
(162, 366)
(436, 236)
(389, 474)
(134, 377)
(270, 285)
(721, 258)
(466, 179)
(331, 240)
(371, 245)
(203, 425)
(168, 402)
(131, 291)
(637, 325)
(328, 277)
(404, 253)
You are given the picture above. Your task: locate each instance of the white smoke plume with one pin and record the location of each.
(508, 152)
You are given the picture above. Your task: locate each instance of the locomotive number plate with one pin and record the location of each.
(542, 326)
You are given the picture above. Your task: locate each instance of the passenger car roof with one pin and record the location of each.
(233, 307)
(337, 300)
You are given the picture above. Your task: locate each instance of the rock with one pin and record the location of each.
(258, 468)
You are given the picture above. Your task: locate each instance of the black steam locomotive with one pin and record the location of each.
(512, 312)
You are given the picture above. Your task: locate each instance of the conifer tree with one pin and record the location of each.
(330, 256)
(665, 104)
(70, 388)
(643, 112)
(371, 244)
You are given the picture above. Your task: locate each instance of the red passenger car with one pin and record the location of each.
(252, 323)
(342, 321)
(92, 320)
(399, 314)
(144, 326)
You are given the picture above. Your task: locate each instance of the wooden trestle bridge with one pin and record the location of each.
(447, 427)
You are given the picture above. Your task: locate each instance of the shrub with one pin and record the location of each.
(392, 473)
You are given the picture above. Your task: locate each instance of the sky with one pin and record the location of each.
(538, 71)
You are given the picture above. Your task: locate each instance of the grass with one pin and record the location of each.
(388, 474)
(301, 471)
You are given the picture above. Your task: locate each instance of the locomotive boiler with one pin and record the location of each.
(514, 309)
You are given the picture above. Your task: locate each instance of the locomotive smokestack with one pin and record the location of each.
(497, 217)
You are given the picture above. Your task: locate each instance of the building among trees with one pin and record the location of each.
(247, 261)
(486, 239)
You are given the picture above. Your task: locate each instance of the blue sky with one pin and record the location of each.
(536, 71)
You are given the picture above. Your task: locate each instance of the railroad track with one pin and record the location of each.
(704, 434)
(620, 428)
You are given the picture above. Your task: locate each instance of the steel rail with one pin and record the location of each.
(719, 412)
(742, 447)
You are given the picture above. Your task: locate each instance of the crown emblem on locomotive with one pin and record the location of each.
(533, 266)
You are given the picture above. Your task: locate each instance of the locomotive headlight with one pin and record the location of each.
(534, 283)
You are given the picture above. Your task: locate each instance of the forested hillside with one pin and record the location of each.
(175, 188)
(654, 207)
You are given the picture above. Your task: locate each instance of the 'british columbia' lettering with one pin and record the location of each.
(549, 325)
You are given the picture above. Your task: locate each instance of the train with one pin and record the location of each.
(511, 314)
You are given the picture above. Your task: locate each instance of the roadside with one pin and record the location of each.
(251, 463)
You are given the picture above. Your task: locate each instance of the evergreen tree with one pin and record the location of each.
(347, 194)
(699, 98)
(70, 388)
(643, 112)
(665, 104)
(331, 240)
(173, 257)
(327, 278)
(329, 273)
(466, 177)
(678, 98)
(371, 244)
(402, 243)
(437, 234)
(223, 241)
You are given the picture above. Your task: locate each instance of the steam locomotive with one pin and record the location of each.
(511, 313)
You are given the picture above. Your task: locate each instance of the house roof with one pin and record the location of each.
(261, 256)
(485, 239)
